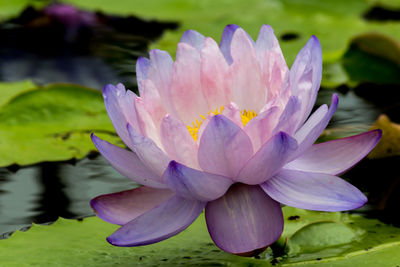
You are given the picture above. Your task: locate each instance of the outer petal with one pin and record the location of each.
(305, 76)
(289, 116)
(226, 39)
(142, 66)
(148, 152)
(313, 191)
(245, 220)
(248, 88)
(178, 143)
(122, 207)
(186, 91)
(193, 184)
(224, 147)
(214, 70)
(128, 164)
(121, 110)
(336, 156)
(193, 38)
(160, 73)
(314, 126)
(162, 222)
(268, 160)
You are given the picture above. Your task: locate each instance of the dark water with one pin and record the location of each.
(63, 44)
(41, 193)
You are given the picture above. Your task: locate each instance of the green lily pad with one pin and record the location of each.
(51, 123)
(82, 243)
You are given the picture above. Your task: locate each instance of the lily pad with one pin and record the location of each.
(51, 123)
(370, 244)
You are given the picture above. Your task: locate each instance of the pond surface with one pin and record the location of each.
(41, 193)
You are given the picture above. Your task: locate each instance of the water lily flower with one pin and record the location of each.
(226, 129)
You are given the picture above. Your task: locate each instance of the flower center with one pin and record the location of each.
(194, 128)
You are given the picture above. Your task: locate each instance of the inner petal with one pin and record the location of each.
(246, 116)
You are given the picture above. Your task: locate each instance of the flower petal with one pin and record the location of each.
(147, 125)
(226, 39)
(178, 143)
(152, 103)
(305, 76)
(248, 88)
(224, 147)
(313, 191)
(186, 92)
(194, 184)
(166, 220)
(122, 207)
(160, 73)
(148, 152)
(214, 70)
(142, 66)
(289, 116)
(128, 164)
(245, 220)
(268, 160)
(121, 110)
(193, 38)
(336, 156)
(272, 62)
(314, 126)
(259, 129)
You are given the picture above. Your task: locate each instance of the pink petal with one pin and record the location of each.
(147, 125)
(128, 164)
(153, 102)
(193, 184)
(224, 147)
(148, 152)
(248, 87)
(272, 62)
(226, 39)
(245, 220)
(166, 220)
(268, 160)
(186, 91)
(305, 76)
(121, 110)
(178, 143)
(336, 156)
(214, 70)
(193, 38)
(259, 129)
(313, 191)
(232, 112)
(160, 73)
(122, 207)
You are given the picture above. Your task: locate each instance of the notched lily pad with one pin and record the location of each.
(52, 123)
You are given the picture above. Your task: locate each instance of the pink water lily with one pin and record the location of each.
(225, 128)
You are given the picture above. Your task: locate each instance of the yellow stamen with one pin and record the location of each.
(246, 116)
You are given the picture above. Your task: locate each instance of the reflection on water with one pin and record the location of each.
(43, 192)
(63, 44)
